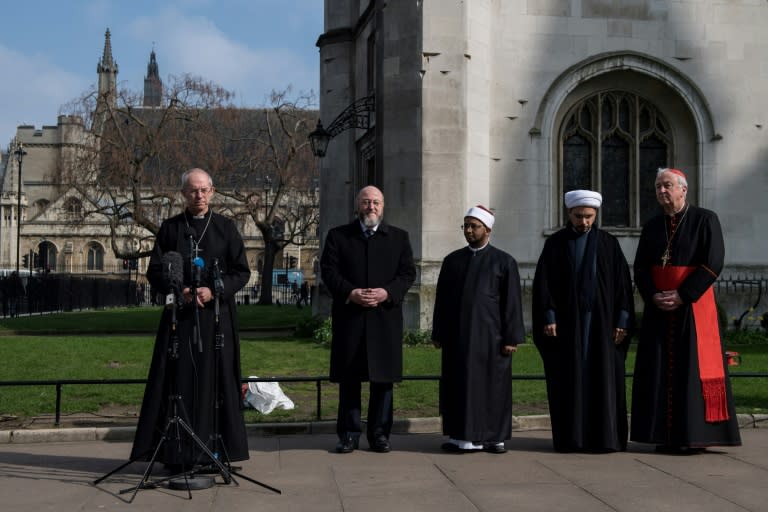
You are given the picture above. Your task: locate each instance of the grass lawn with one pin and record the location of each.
(120, 356)
(141, 320)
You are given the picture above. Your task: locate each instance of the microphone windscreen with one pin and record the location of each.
(173, 269)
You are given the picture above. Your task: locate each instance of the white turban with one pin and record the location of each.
(589, 198)
(482, 214)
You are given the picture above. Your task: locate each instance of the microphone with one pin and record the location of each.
(198, 264)
(173, 275)
(218, 282)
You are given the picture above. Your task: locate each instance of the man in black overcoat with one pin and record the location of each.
(583, 309)
(200, 237)
(367, 266)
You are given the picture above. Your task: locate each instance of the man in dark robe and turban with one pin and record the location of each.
(582, 314)
(478, 323)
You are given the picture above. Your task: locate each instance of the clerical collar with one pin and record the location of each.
(198, 217)
(478, 249)
(682, 211)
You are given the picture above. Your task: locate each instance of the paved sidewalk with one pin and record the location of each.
(415, 476)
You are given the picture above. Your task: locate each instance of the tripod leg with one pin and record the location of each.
(144, 482)
(223, 470)
(273, 489)
(104, 477)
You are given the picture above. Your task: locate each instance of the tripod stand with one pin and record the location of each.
(218, 448)
(208, 460)
(174, 426)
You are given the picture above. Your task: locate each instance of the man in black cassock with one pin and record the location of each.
(201, 237)
(367, 266)
(582, 312)
(478, 323)
(681, 396)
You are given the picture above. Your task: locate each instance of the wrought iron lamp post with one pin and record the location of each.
(356, 115)
(20, 153)
(267, 189)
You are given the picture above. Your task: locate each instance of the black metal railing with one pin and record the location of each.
(318, 380)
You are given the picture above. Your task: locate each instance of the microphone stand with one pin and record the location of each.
(218, 447)
(172, 432)
(195, 284)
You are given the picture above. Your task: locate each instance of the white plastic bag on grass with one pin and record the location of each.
(265, 397)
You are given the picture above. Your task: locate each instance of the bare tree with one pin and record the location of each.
(128, 166)
(275, 182)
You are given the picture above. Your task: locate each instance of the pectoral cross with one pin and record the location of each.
(665, 258)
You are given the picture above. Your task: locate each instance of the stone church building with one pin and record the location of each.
(510, 103)
(55, 234)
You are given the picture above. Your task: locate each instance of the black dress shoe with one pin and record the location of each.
(380, 444)
(496, 448)
(454, 448)
(347, 444)
(678, 450)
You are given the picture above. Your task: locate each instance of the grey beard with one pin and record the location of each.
(370, 222)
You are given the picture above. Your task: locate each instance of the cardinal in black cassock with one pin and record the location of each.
(209, 237)
(681, 398)
(478, 323)
(582, 316)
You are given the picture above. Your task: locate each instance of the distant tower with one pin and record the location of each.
(107, 70)
(153, 86)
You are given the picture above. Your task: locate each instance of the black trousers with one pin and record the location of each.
(379, 410)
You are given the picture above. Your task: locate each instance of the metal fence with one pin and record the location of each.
(318, 380)
(51, 293)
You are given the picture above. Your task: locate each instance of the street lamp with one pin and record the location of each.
(20, 153)
(356, 115)
(267, 189)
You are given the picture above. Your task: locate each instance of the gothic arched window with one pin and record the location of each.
(47, 254)
(613, 142)
(73, 208)
(95, 259)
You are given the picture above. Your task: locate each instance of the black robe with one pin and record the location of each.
(195, 368)
(585, 373)
(667, 402)
(477, 311)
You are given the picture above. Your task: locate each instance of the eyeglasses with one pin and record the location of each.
(194, 191)
(369, 202)
(471, 226)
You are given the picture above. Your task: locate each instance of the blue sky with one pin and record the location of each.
(49, 49)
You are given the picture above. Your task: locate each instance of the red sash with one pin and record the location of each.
(711, 371)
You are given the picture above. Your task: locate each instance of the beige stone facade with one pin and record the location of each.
(509, 103)
(55, 224)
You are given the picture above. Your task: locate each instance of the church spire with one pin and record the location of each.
(153, 86)
(107, 70)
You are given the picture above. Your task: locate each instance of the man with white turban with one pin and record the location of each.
(478, 323)
(583, 310)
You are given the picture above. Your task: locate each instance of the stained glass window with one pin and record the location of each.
(613, 142)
